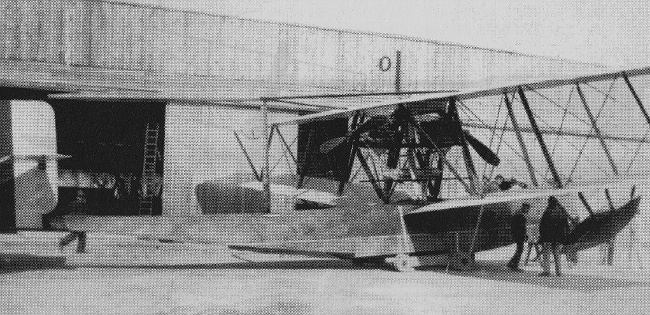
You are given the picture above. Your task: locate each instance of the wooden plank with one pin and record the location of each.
(41, 42)
(124, 35)
(198, 40)
(13, 30)
(99, 37)
(5, 34)
(50, 48)
(28, 30)
(140, 37)
(77, 39)
(173, 43)
(150, 51)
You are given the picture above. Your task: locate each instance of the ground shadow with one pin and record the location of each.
(333, 264)
(15, 262)
(497, 270)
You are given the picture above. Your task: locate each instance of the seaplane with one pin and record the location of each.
(404, 151)
(414, 136)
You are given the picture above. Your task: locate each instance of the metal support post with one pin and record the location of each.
(596, 129)
(636, 97)
(522, 143)
(266, 176)
(540, 138)
(398, 71)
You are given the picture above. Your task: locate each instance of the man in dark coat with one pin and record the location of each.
(519, 236)
(553, 229)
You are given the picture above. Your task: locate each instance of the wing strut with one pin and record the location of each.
(248, 158)
(585, 203)
(286, 145)
(467, 156)
(401, 131)
(266, 174)
(441, 154)
(636, 97)
(371, 177)
(522, 143)
(306, 156)
(596, 129)
(356, 119)
(540, 139)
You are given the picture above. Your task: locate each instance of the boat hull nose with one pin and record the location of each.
(601, 227)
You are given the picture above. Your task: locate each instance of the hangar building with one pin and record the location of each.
(144, 66)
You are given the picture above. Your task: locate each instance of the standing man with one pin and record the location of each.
(519, 236)
(553, 229)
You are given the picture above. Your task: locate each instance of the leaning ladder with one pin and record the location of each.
(149, 170)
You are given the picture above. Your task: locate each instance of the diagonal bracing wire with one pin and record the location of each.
(566, 109)
(494, 131)
(636, 153)
(557, 139)
(503, 131)
(576, 116)
(486, 125)
(584, 144)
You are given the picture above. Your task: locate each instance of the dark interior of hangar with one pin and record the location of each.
(117, 156)
(109, 159)
(14, 93)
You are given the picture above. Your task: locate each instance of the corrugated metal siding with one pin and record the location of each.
(108, 35)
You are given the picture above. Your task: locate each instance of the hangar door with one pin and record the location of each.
(117, 154)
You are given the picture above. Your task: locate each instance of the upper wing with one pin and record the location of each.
(433, 101)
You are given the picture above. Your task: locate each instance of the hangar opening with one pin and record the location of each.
(117, 151)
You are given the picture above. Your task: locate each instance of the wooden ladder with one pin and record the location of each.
(148, 181)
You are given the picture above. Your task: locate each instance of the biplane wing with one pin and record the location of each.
(424, 103)
(431, 121)
(445, 217)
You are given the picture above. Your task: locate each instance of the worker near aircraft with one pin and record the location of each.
(79, 205)
(553, 229)
(519, 235)
(507, 184)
